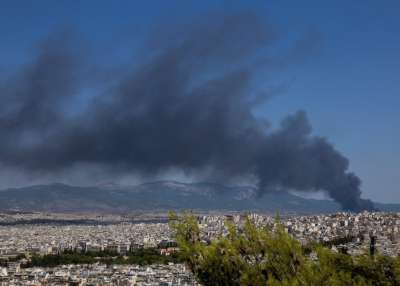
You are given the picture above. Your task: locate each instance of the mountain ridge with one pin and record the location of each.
(160, 195)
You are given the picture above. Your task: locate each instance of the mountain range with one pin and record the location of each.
(160, 195)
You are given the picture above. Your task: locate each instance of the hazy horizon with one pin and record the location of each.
(271, 93)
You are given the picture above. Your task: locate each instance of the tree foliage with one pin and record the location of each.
(146, 256)
(258, 256)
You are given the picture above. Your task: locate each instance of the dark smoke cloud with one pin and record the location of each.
(186, 103)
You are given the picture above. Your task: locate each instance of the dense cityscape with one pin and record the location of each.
(199, 143)
(24, 241)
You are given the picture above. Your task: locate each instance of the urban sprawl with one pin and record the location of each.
(25, 236)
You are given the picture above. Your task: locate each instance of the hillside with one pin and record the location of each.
(161, 195)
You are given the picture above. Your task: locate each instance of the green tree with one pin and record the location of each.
(258, 256)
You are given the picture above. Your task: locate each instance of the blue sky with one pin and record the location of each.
(350, 86)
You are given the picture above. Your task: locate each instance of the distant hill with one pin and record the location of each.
(160, 195)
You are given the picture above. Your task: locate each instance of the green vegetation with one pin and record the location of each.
(139, 257)
(258, 256)
(340, 240)
(5, 261)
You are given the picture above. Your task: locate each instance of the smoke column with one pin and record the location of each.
(186, 102)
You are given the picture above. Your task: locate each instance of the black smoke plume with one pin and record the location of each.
(186, 103)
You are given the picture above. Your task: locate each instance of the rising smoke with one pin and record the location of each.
(186, 103)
